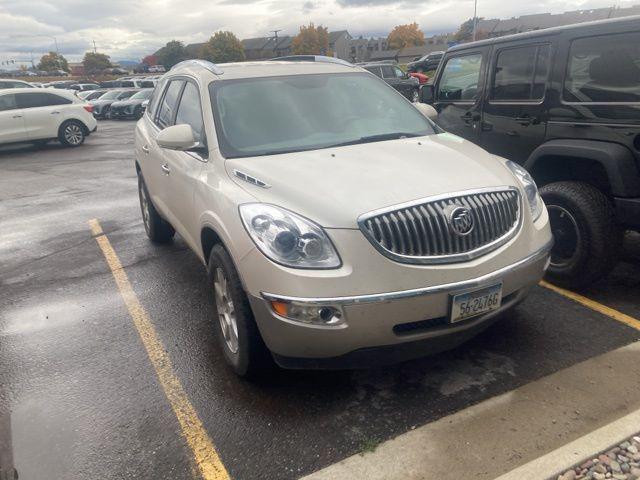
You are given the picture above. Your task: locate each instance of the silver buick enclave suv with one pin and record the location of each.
(339, 225)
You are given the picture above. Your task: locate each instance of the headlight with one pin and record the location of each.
(530, 189)
(287, 238)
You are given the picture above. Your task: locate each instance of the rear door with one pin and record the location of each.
(514, 118)
(458, 93)
(43, 113)
(11, 120)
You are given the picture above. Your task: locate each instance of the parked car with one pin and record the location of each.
(156, 69)
(11, 83)
(102, 105)
(428, 63)
(37, 116)
(394, 76)
(131, 108)
(339, 225)
(136, 83)
(89, 95)
(563, 102)
(84, 86)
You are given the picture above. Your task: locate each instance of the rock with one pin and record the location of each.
(588, 464)
(632, 449)
(569, 475)
(635, 472)
(615, 466)
(604, 459)
(625, 445)
(625, 467)
(598, 476)
(619, 476)
(600, 468)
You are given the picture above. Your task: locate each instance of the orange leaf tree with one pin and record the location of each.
(405, 36)
(311, 40)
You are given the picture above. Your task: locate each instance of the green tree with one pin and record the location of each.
(53, 61)
(223, 47)
(311, 40)
(465, 32)
(95, 62)
(405, 36)
(173, 52)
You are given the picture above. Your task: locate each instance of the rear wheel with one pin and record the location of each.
(72, 133)
(157, 228)
(587, 238)
(236, 329)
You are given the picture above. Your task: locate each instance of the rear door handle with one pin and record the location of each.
(166, 169)
(145, 148)
(527, 120)
(55, 113)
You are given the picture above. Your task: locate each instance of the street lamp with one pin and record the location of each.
(475, 18)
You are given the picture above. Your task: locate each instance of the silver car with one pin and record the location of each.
(339, 225)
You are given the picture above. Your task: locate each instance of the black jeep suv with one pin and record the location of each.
(394, 76)
(565, 103)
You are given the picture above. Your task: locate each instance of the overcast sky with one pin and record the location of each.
(130, 29)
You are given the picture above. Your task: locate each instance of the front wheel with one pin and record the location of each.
(587, 238)
(236, 329)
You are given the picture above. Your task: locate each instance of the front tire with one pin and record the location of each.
(157, 228)
(235, 326)
(587, 238)
(72, 133)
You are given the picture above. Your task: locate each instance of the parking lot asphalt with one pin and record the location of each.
(79, 397)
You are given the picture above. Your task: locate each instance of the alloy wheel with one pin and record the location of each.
(567, 239)
(226, 310)
(73, 134)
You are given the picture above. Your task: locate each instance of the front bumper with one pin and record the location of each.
(388, 322)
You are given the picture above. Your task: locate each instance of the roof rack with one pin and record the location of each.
(312, 58)
(212, 67)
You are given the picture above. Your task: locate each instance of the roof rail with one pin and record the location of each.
(212, 67)
(313, 58)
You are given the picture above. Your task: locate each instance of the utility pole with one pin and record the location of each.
(94, 47)
(275, 37)
(475, 18)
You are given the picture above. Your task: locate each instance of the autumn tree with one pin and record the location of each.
(405, 36)
(150, 60)
(223, 47)
(96, 62)
(311, 40)
(173, 52)
(53, 61)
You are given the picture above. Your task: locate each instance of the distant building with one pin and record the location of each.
(76, 68)
(339, 44)
(375, 49)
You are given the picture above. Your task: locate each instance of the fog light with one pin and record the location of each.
(328, 315)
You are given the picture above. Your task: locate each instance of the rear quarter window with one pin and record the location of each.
(604, 69)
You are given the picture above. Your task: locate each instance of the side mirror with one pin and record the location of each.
(177, 137)
(145, 104)
(427, 110)
(427, 93)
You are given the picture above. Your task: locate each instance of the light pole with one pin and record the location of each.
(475, 18)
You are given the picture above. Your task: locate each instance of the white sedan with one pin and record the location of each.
(37, 116)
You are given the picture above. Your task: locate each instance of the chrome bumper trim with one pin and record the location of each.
(416, 292)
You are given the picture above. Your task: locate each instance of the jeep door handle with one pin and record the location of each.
(145, 149)
(166, 169)
(527, 120)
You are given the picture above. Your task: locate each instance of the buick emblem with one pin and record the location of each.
(460, 220)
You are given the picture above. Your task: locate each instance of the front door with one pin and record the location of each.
(514, 118)
(458, 93)
(11, 120)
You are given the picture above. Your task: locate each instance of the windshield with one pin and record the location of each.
(266, 116)
(112, 95)
(142, 95)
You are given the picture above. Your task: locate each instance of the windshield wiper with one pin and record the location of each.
(377, 138)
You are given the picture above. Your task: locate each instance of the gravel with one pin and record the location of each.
(618, 463)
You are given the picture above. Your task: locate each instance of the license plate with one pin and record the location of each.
(470, 304)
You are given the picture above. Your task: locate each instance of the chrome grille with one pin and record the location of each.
(423, 231)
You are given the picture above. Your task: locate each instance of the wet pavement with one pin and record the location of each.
(79, 398)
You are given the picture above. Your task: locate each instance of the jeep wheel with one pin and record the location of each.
(587, 238)
(235, 326)
(157, 228)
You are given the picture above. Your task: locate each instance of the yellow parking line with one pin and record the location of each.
(593, 305)
(204, 451)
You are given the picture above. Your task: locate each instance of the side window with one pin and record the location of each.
(460, 78)
(168, 105)
(604, 69)
(398, 72)
(190, 111)
(40, 99)
(5, 85)
(375, 71)
(155, 98)
(387, 71)
(7, 102)
(520, 74)
(126, 94)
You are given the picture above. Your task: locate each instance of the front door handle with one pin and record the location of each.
(145, 149)
(55, 113)
(17, 116)
(166, 169)
(526, 120)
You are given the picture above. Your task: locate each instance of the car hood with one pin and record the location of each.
(334, 186)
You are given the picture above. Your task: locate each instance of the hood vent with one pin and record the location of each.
(249, 179)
